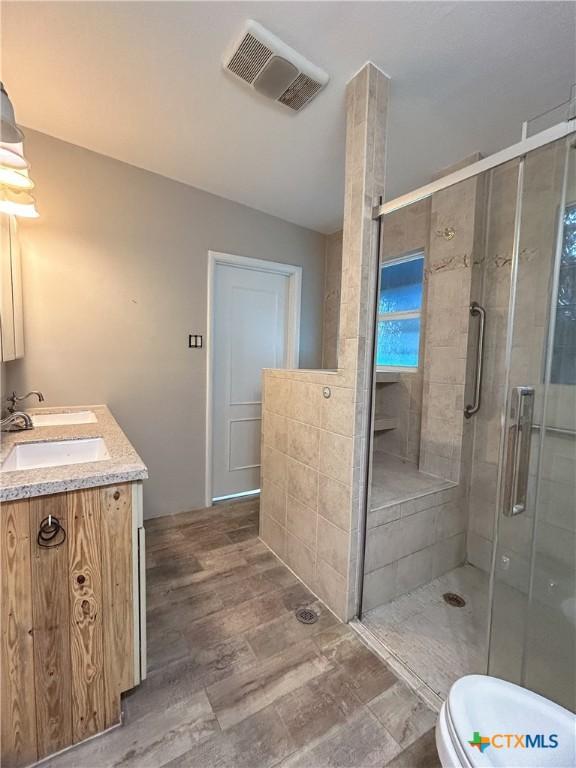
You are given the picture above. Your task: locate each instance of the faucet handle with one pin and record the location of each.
(14, 398)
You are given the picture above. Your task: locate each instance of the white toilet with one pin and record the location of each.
(509, 727)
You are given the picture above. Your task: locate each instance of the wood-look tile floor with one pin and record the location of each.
(235, 681)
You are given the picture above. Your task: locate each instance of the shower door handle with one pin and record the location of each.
(518, 453)
(476, 309)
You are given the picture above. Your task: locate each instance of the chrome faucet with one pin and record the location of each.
(14, 398)
(16, 422)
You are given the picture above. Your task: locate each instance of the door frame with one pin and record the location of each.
(294, 274)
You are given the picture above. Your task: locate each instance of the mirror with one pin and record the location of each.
(11, 315)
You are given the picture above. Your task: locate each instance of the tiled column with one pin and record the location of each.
(314, 447)
(367, 109)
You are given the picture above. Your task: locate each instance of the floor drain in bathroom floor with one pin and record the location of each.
(306, 615)
(454, 600)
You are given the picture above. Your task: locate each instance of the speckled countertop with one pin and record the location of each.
(124, 464)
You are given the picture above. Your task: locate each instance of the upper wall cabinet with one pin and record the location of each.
(11, 314)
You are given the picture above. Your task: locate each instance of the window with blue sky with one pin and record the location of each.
(399, 309)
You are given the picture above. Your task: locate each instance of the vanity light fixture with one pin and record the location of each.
(16, 203)
(11, 156)
(9, 131)
(11, 177)
(15, 183)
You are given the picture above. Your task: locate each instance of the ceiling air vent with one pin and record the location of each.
(300, 92)
(272, 68)
(249, 58)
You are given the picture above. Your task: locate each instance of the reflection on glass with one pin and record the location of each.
(564, 352)
(401, 286)
(398, 342)
(399, 307)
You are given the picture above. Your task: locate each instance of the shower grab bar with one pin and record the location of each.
(476, 309)
(518, 455)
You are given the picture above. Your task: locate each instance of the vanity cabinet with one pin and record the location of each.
(70, 618)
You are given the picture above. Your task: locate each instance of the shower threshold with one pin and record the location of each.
(431, 640)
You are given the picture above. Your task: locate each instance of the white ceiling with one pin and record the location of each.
(142, 82)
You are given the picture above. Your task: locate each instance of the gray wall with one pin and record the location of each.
(3, 380)
(114, 274)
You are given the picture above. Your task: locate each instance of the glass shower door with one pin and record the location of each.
(533, 622)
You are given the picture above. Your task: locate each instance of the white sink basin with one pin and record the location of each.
(55, 453)
(59, 419)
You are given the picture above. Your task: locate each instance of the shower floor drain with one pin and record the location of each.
(457, 601)
(306, 616)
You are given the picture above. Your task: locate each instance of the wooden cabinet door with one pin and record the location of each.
(51, 620)
(86, 612)
(67, 620)
(17, 697)
(118, 595)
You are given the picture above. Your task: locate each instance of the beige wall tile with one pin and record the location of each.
(395, 540)
(394, 441)
(479, 551)
(379, 587)
(273, 535)
(273, 501)
(305, 402)
(338, 411)
(274, 466)
(442, 434)
(348, 360)
(334, 501)
(332, 289)
(447, 400)
(301, 521)
(450, 288)
(414, 570)
(331, 587)
(448, 554)
(300, 558)
(443, 324)
(336, 456)
(302, 483)
(384, 515)
(434, 464)
(444, 367)
(333, 544)
(303, 442)
(451, 519)
(350, 318)
(481, 516)
(276, 394)
(274, 430)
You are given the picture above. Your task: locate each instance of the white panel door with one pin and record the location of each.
(250, 332)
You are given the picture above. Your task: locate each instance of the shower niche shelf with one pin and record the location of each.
(385, 423)
(387, 377)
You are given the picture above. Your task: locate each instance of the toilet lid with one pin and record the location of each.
(508, 726)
